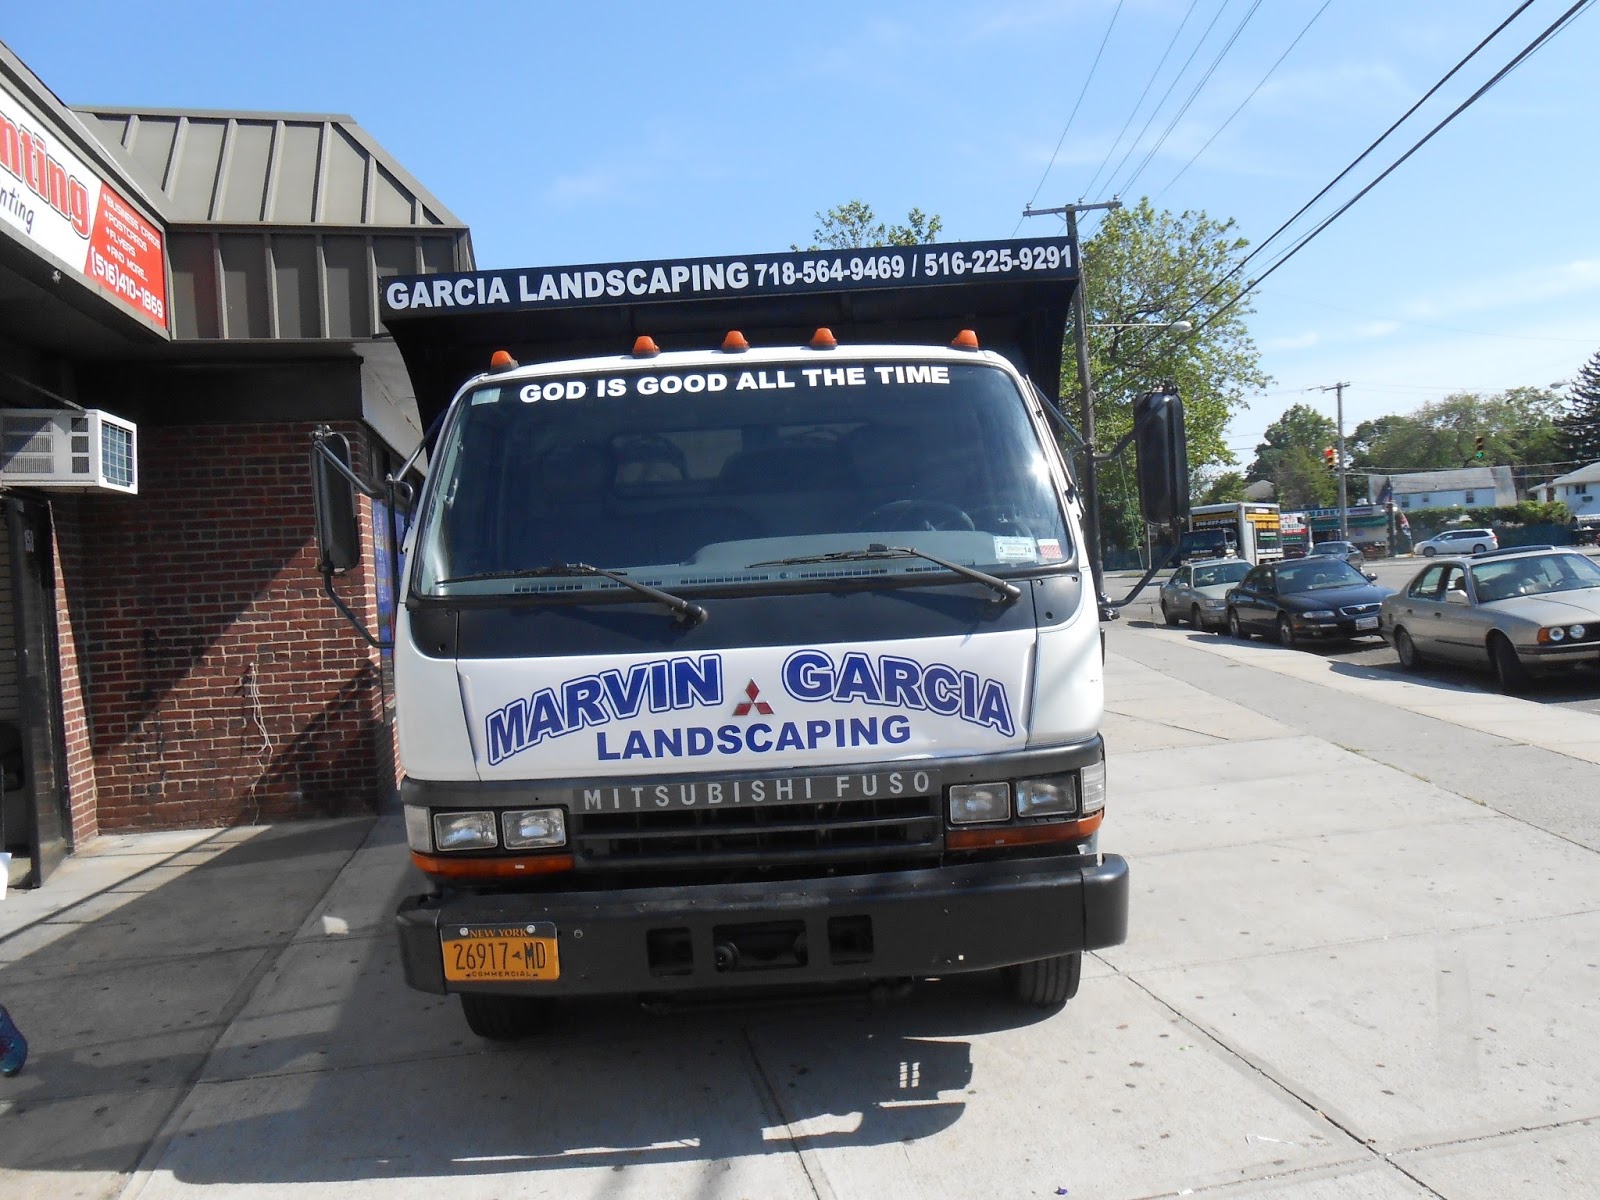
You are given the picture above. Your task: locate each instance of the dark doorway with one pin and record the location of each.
(34, 816)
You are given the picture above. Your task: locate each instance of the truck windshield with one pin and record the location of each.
(713, 476)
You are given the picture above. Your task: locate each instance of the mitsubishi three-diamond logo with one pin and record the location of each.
(742, 709)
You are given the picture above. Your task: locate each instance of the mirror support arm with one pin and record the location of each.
(392, 490)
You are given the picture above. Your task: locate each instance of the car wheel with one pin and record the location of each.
(1479, 549)
(1428, 552)
(1410, 660)
(1167, 616)
(1236, 627)
(1285, 631)
(504, 1018)
(1049, 983)
(1194, 619)
(1509, 672)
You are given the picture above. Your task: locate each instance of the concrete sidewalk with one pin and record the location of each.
(1361, 964)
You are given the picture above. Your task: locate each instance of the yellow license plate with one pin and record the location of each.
(500, 953)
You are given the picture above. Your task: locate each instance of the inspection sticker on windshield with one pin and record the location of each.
(1050, 549)
(1015, 549)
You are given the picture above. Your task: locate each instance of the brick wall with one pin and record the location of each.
(220, 686)
(70, 613)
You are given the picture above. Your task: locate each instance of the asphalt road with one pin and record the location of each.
(1579, 690)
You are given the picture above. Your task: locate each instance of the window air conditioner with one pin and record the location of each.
(78, 450)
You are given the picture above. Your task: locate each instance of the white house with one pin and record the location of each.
(1579, 490)
(1465, 487)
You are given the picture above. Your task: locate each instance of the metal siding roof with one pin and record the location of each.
(279, 168)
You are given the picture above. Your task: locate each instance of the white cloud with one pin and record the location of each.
(1300, 341)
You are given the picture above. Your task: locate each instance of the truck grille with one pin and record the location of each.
(890, 828)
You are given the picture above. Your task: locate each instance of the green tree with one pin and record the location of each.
(1517, 426)
(1579, 425)
(1300, 427)
(1143, 265)
(853, 223)
(1226, 488)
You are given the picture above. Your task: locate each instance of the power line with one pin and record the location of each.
(1089, 78)
(1247, 99)
(1360, 158)
(1198, 88)
(1527, 51)
(1148, 121)
(1139, 103)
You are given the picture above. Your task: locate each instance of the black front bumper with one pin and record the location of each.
(938, 921)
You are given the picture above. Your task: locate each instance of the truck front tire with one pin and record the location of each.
(1048, 983)
(504, 1018)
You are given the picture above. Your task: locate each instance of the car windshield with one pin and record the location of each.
(1311, 576)
(1220, 573)
(710, 476)
(1332, 548)
(1534, 575)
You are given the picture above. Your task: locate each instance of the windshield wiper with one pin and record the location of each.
(878, 551)
(688, 611)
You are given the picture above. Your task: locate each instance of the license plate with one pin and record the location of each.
(500, 953)
(1366, 622)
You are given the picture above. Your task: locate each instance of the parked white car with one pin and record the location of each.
(1458, 541)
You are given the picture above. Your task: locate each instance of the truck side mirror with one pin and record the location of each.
(1162, 447)
(333, 492)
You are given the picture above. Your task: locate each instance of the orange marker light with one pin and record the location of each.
(501, 360)
(645, 346)
(965, 340)
(735, 342)
(823, 339)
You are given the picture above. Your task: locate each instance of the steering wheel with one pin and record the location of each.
(918, 514)
(1001, 520)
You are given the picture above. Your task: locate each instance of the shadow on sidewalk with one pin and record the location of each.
(253, 1007)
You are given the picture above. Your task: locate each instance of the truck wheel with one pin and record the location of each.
(1048, 983)
(503, 1018)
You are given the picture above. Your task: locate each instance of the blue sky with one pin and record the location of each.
(584, 132)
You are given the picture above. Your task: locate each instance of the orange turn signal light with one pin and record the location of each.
(501, 360)
(492, 868)
(644, 346)
(965, 340)
(995, 836)
(735, 342)
(823, 339)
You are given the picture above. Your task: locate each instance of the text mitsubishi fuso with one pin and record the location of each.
(746, 632)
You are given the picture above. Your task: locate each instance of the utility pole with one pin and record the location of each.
(1080, 324)
(1344, 507)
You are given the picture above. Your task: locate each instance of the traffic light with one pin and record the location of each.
(1327, 458)
(1477, 446)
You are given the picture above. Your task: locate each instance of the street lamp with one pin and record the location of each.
(1175, 326)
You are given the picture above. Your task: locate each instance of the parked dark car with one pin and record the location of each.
(1314, 598)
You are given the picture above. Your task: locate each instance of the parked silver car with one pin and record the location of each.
(1196, 590)
(1349, 551)
(1458, 541)
(1515, 612)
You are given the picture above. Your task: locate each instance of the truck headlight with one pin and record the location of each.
(1092, 783)
(464, 831)
(1052, 797)
(534, 828)
(974, 802)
